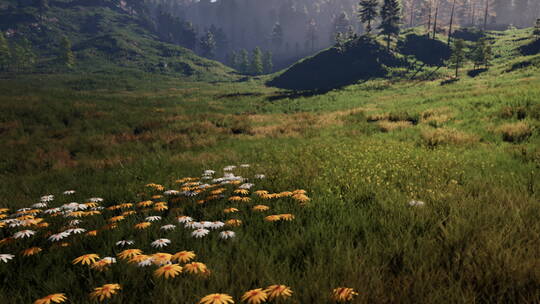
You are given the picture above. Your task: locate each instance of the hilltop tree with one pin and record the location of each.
(244, 61)
(458, 56)
(390, 20)
(256, 66)
(208, 45)
(340, 25)
(311, 34)
(536, 31)
(188, 35)
(66, 54)
(368, 13)
(482, 53)
(43, 6)
(5, 55)
(277, 36)
(268, 64)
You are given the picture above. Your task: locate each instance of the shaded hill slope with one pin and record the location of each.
(103, 36)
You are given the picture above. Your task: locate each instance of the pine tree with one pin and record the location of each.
(458, 56)
(390, 20)
(277, 37)
(256, 66)
(478, 53)
(311, 34)
(5, 55)
(244, 62)
(208, 45)
(268, 64)
(66, 54)
(368, 12)
(340, 25)
(536, 31)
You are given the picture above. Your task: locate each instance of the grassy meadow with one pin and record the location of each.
(470, 150)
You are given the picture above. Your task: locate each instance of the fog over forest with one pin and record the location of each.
(292, 29)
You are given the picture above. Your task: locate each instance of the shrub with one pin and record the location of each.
(388, 126)
(515, 132)
(442, 136)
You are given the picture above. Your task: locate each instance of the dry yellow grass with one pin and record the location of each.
(515, 132)
(388, 126)
(442, 136)
(436, 117)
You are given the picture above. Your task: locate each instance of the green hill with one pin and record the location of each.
(104, 37)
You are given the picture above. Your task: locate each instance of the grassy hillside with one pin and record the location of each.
(470, 150)
(104, 38)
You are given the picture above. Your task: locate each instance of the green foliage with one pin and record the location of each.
(256, 66)
(536, 31)
(390, 20)
(368, 12)
(244, 61)
(5, 55)
(268, 64)
(482, 53)
(208, 45)
(67, 58)
(457, 58)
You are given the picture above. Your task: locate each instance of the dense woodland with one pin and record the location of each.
(262, 36)
(291, 29)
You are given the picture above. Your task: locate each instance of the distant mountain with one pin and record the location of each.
(104, 35)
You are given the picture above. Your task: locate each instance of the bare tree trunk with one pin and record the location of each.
(435, 20)
(451, 22)
(473, 13)
(486, 15)
(429, 17)
(412, 14)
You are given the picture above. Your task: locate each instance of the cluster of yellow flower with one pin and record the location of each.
(190, 190)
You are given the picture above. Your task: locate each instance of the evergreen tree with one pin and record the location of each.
(340, 42)
(188, 36)
(244, 62)
(368, 12)
(5, 55)
(458, 56)
(234, 60)
(277, 37)
(66, 54)
(256, 66)
(390, 20)
(22, 56)
(340, 25)
(208, 45)
(536, 31)
(43, 6)
(311, 34)
(268, 64)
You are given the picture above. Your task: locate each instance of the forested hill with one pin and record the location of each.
(104, 35)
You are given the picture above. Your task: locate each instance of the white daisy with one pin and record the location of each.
(199, 233)
(125, 243)
(4, 257)
(160, 243)
(168, 227)
(74, 222)
(57, 237)
(227, 234)
(153, 218)
(246, 186)
(52, 210)
(69, 192)
(190, 193)
(209, 172)
(244, 166)
(206, 224)
(171, 192)
(15, 223)
(145, 263)
(24, 209)
(47, 198)
(96, 199)
(414, 203)
(39, 205)
(23, 234)
(260, 176)
(184, 219)
(109, 260)
(191, 225)
(75, 230)
(229, 168)
(217, 225)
